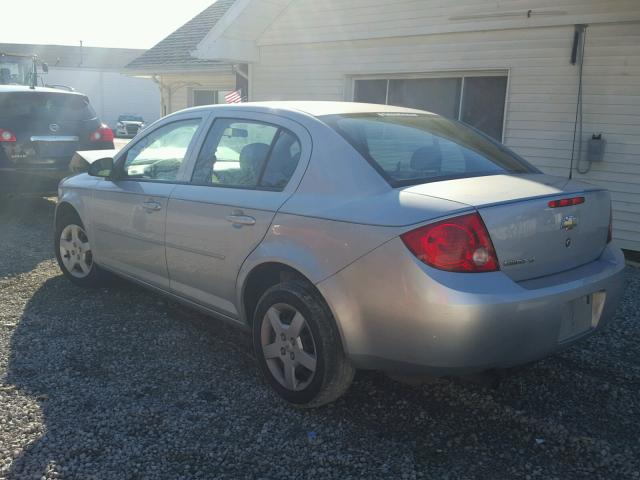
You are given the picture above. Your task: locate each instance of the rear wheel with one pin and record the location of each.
(74, 253)
(298, 346)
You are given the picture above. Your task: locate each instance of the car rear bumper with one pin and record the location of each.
(397, 314)
(32, 180)
(37, 175)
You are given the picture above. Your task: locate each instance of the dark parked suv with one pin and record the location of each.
(40, 129)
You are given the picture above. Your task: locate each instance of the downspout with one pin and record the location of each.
(577, 57)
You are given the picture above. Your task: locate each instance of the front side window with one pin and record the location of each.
(476, 100)
(409, 148)
(159, 155)
(247, 154)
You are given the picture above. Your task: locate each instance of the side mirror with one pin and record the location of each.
(102, 167)
(45, 67)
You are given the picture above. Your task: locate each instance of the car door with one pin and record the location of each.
(128, 211)
(247, 167)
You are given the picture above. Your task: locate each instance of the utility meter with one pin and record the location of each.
(595, 149)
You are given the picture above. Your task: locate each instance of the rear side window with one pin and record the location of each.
(46, 106)
(247, 154)
(409, 148)
(282, 162)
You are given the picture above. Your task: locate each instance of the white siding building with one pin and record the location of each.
(503, 66)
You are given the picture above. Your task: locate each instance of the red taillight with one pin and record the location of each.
(6, 136)
(103, 134)
(610, 235)
(566, 202)
(459, 244)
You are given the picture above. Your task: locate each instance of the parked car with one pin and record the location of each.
(348, 236)
(129, 125)
(40, 129)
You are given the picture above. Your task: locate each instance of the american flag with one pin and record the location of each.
(233, 97)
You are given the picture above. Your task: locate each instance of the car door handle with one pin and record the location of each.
(151, 206)
(241, 220)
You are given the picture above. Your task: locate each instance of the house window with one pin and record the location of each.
(208, 97)
(476, 100)
(205, 97)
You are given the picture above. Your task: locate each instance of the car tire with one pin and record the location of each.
(74, 254)
(298, 346)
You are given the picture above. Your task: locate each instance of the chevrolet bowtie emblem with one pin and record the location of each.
(569, 222)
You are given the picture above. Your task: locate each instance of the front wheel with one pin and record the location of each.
(298, 346)
(74, 253)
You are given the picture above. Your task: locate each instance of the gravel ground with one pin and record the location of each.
(123, 384)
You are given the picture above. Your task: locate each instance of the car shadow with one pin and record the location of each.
(137, 386)
(80, 357)
(25, 221)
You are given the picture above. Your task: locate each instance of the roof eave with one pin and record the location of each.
(228, 50)
(234, 41)
(177, 68)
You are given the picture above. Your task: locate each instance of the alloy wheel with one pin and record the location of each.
(75, 251)
(288, 347)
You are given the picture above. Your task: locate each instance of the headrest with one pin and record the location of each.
(427, 159)
(252, 156)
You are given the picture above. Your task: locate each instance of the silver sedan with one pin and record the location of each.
(348, 236)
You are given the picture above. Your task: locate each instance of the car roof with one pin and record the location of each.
(24, 88)
(315, 108)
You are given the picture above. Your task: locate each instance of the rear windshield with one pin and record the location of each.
(409, 149)
(46, 106)
(130, 118)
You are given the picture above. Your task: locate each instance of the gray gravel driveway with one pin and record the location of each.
(122, 384)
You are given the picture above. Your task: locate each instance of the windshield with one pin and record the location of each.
(130, 118)
(46, 106)
(408, 148)
(16, 71)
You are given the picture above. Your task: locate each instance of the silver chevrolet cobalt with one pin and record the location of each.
(348, 236)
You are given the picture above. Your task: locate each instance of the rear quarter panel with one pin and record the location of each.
(317, 248)
(341, 210)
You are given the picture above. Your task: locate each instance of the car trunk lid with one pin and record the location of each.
(531, 238)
